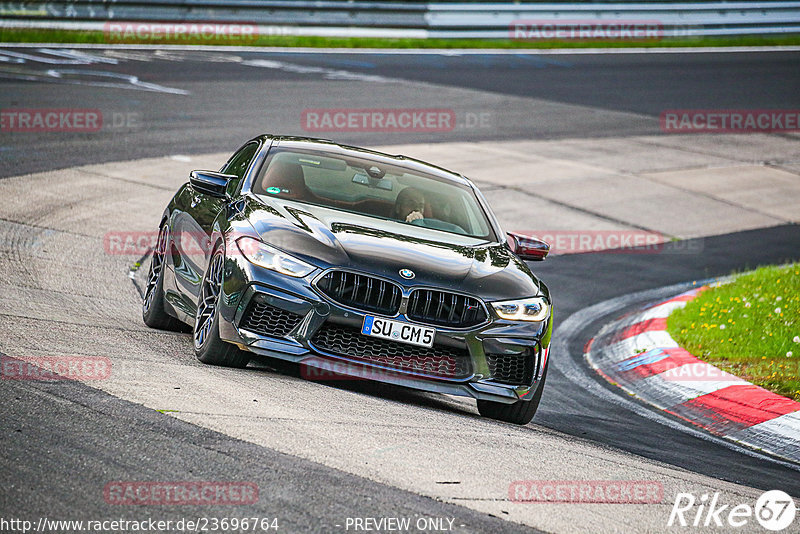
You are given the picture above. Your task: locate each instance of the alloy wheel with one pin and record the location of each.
(156, 267)
(207, 306)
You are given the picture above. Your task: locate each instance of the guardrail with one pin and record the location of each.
(500, 20)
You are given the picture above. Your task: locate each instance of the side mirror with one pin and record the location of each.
(528, 248)
(211, 182)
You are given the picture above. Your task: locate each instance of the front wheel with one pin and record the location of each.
(153, 312)
(519, 413)
(208, 347)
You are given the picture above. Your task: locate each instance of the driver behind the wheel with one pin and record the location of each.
(409, 205)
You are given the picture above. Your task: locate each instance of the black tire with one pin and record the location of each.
(153, 312)
(519, 413)
(208, 347)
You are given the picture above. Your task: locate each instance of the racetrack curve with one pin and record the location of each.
(323, 452)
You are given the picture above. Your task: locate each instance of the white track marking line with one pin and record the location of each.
(127, 81)
(80, 56)
(328, 74)
(60, 58)
(661, 311)
(653, 339)
(786, 425)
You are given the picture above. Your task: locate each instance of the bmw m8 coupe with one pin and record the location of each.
(358, 263)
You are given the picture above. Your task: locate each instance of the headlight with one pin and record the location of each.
(273, 259)
(530, 309)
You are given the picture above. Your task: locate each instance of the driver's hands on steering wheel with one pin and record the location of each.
(414, 215)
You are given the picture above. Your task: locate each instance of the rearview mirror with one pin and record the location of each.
(211, 182)
(528, 248)
(380, 183)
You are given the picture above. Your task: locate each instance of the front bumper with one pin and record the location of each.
(247, 285)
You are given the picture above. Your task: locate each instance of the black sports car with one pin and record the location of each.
(356, 262)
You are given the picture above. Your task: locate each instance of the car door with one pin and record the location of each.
(196, 224)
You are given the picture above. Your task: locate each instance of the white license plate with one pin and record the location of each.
(398, 331)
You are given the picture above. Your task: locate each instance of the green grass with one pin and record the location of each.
(749, 328)
(98, 37)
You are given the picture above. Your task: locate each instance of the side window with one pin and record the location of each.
(238, 165)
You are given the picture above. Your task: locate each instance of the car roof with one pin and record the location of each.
(326, 145)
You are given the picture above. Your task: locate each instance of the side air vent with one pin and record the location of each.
(267, 320)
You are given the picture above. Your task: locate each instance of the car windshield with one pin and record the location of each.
(362, 186)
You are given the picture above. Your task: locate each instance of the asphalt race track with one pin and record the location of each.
(321, 453)
(234, 96)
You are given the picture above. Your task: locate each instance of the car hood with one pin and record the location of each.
(332, 238)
